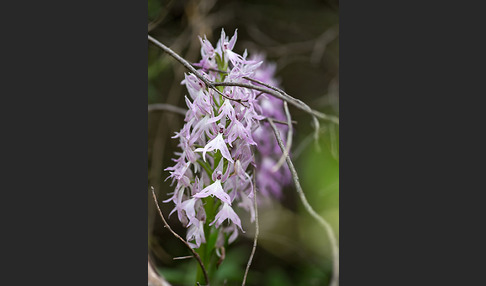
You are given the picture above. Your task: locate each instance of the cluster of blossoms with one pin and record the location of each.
(214, 173)
(269, 181)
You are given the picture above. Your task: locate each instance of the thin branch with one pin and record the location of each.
(179, 59)
(209, 69)
(302, 106)
(282, 122)
(296, 101)
(269, 89)
(182, 257)
(166, 107)
(188, 66)
(257, 230)
(289, 139)
(194, 253)
(311, 211)
(221, 254)
(283, 96)
(258, 95)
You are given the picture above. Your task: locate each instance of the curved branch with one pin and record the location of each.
(194, 253)
(311, 211)
(283, 96)
(188, 66)
(266, 88)
(289, 140)
(257, 230)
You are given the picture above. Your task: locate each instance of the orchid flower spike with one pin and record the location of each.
(217, 164)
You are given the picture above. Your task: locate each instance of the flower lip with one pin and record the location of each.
(226, 212)
(215, 189)
(219, 144)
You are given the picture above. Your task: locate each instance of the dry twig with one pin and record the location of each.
(194, 253)
(257, 230)
(274, 91)
(283, 96)
(311, 211)
(289, 139)
(188, 66)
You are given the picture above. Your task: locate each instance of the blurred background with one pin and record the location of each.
(302, 38)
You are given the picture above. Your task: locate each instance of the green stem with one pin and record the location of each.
(200, 275)
(206, 250)
(206, 167)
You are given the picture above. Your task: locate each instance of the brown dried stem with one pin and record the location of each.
(257, 230)
(194, 253)
(274, 91)
(188, 66)
(289, 139)
(310, 210)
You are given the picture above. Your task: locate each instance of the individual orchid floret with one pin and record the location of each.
(189, 208)
(236, 129)
(224, 45)
(247, 204)
(202, 102)
(226, 110)
(177, 197)
(196, 232)
(207, 54)
(193, 84)
(225, 213)
(242, 175)
(179, 170)
(216, 144)
(216, 190)
(218, 172)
